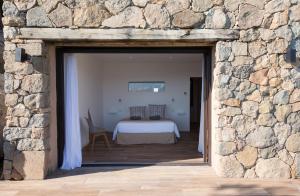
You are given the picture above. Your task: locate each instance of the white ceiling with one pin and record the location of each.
(135, 57)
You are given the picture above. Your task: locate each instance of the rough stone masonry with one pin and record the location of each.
(257, 91)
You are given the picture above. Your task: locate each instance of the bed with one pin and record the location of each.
(146, 132)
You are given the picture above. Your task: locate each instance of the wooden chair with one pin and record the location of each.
(95, 132)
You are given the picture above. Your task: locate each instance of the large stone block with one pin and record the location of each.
(295, 13)
(243, 125)
(249, 16)
(13, 21)
(250, 173)
(277, 6)
(249, 35)
(223, 94)
(267, 34)
(15, 133)
(217, 19)
(140, 3)
(257, 49)
(187, 18)
(35, 83)
(11, 99)
(50, 5)
(282, 112)
(295, 97)
(232, 102)
(130, 17)
(223, 51)
(250, 108)
(24, 5)
(201, 5)
(272, 168)
(91, 16)
(10, 33)
(20, 111)
(31, 145)
(294, 120)
(40, 120)
(259, 77)
(230, 111)
(262, 137)
(116, 6)
(12, 121)
(225, 134)
(282, 97)
(282, 131)
(286, 157)
(229, 166)
(293, 143)
(266, 120)
(35, 101)
(61, 16)
(175, 6)
(284, 32)
(232, 5)
(31, 164)
(157, 16)
(9, 9)
(24, 68)
(296, 107)
(255, 96)
(39, 133)
(247, 156)
(226, 148)
(240, 49)
(278, 46)
(37, 17)
(34, 48)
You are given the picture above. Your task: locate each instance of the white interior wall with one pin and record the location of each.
(103, 81)
(90, 93)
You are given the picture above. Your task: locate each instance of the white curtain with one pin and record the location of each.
(72, 150)
(201, 130)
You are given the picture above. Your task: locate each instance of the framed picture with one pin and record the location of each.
(154, 87)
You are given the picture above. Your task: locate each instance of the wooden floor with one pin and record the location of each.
(149, 181)
(184, 152)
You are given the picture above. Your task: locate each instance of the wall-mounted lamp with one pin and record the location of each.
(291, 56)
(20, 55)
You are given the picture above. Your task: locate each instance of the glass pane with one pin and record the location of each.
(154, 87)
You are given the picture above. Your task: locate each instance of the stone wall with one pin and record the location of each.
(258, 92)
(2, 94)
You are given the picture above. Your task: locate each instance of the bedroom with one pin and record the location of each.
(109, 84)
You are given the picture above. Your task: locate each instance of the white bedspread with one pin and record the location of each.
(146, 126)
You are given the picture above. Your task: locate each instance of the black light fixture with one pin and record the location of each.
(291, 55)
(20, 55)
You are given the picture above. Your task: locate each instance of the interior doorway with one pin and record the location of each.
(195, 105)
(175, 51)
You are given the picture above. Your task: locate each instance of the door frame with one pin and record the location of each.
(61, 50)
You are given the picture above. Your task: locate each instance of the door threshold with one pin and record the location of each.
(139, 164)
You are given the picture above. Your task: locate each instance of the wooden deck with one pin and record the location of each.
(149, 181)
(184, 152)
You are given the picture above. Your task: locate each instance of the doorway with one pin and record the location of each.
(60, 76)
(195, 106)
